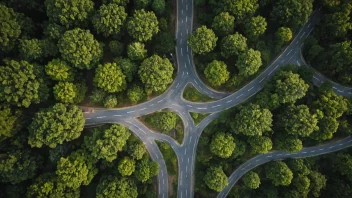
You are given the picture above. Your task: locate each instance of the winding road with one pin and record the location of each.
(172, 99)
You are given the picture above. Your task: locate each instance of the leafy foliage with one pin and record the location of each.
(260, 144)
(126, 166)
(223, 24)
(112, 186)
(251, 180)
(110, 78)
(146, 169)
(136, 51)
(59, 70)
(143, 26)
(136, 150)
(222, 145)
(135, 94)
(279, 173)
(255, 27)
(233, 45)
(65, 92)
(202, 40)
(215, 179)
(158, 6)
(10, 122)
(216, 73)
(249, 62)
(110, 101)
(163, 121)
(240, 8)
(283, 35)
(10, 28)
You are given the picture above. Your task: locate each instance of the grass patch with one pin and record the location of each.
(198, 117)
(192, 94)
(171, 165)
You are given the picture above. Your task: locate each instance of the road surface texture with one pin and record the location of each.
(172, 100)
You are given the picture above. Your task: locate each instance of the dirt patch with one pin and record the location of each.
(172, 191)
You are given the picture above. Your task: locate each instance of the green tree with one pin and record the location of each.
(343, 164)
(126, 166)
(10, 28)
(249, 62)
(136, 150)
(163, 121)
(331, 104)
(327, 127)
(69, 14)
(216, 73)
(77, 169)
(79, 48)
(288, 143)
(98, 96)
(223, 24)
(143, 25)
(222, 145)
(136, 51)
(47, 185)
(233, 45)
(10, 122)
(255, 27)
(158, 6)
(112, 186)
(53, 31)
(109, 19)
(59, 70)
(292, 13)
(56, 124)
(106, 142)
(116, 48)
(252, 120)
(239, 150)
(260, 144)
(140, 4)
(156, 73)
(135, 94)
(165, 43)
(202, 40)
(144, 170)
(18, 83)
(65, 92)
(299, 166)
(215, 178)
(110, 78)
(129, 68)
(301, 183)
(289, 86)
(240, 8)
(317, 183)
(251, 180)
(110, 101)
(298, 121)
(17, 166)
(30, 49)
(279, 173)
(283, 35)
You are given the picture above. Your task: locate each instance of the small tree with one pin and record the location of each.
(59, 70)
(222, 145)
(143, 25)
(251, 180)
(136, 51)
(110, 78)
(223, 24)
(65, 92)
(233, 45)
(216, 73)
(126, 166)
(202, 40)
(249, 62)
(215, 179)
(135, 94)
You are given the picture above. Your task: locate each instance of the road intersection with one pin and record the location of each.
(172, 99)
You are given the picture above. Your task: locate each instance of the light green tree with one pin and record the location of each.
(163, 121)
(135, 94)
(255, 27)
(136, 150)
(112, 186)
(215, 178)
(216, 73)
(222, 145)
(126, 166)
(110, 78)
(251, 180)
(283, 35)
(110, 101)
(143, 25)
(136, 51)
(249, 62)
(59, 70)
(279, 173)
(65, 92)
(241, 8)
(260, 144)
(233, 44)
(202, 40)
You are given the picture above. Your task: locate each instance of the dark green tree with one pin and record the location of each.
(30, 49)
(249, 62)
(112, 186)
(222, 145)
(317, 183)
(251, 180)
(10, 122)
(136, 150)
(215, 178)
(143, 25)
(158, 6)
(129, 68)
(136, 51)
(279, 173)
(56, 124)
(110, 78)
(233, 45)
(116, 48)
(216, 73)
(223, 24)
(343, 164)
(327, 127)
(202, 40)
(331, 104)
(10, 28)
(288, 143)
(59, 70)
(260, 144)
(140, 4)
(145, 170)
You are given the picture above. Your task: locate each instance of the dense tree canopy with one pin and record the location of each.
(255, 27)
(79, 48)
(143, 25)
(240, 8)
(202, 40)
(56, 124)
(317, 183)
(158, 6)
(233, 45)
(106, 142)
(10, 122)
(110, 78)
(343, 164)
(18, 84)
(113, 186)
(292, 13)
(156, 73)
(129, 68)
(251, 180)
(146, 169)
(10, 28)
(126, 166)
(215, 179)
(59, 70)
(135, 94)
(136, 150)
(288, 143)
(223, 24)
(298, 121)
(65, 92)
(222, 145)
(249, 62)
(279, 173)
(283, 35)
(331, 104)
(136, 51)
(327, 127)
(109, 19)
(216, 73)
(69, 14)
(163, 121)
(260, 144)
(252, 121)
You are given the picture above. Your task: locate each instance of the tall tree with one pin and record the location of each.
(65, 92)
(126, 166)
(156, 73)
(215, 179)
(223, 24)
(240, 8)
(279, 173)
(112, 186)
(249, 62)
(252, 121)
(69, 14)
(255, 27)
(105, 143)
(143, 25)
(233, 45)
(136, 51)
(202, 40)
(260, 144)
(222, 145)
(251, 180)
(317, 183)
(10, 28)
(109, 19)
(79, 48)
(135, 94)
(136, 150)
(18, 83)
(59, 70)
(56, 124)
(216, 73)
(283, 35)
(110, 78)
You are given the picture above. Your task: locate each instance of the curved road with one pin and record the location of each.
(172, 99)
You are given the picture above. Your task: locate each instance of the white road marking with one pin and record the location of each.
(315, 78)
(185, 151)
(182, 12)
(190, 139)
(276, 66)
(297, 42)
(269, 156)
(163, 181)
(313, 151)
(174, 105)
(181, 41)
(261, 80)
(304, 152)
(289, 52)
(157, 157)
(282, 61)
(177, 85)
(187, 48)
(189, 60)
(334, 87)
(130, 111)
(159, 101)
(308, 24)
(182, 21)
(239, 96)
(341, 91)
(187, 31)
(278, 154)
(303, 34)
(271, 72)
(162, 173)
(186, 170)
(151, 105)
(150, 141)
(331, 147)
(143, 109)
(181, 52)
(188, 160)
(185, 65)
(183, 73)
(186, 193)
(288, 154)
(290, 58)
(251, 88)
(186, 7)
(183, 112)
(88, 118)
(186, 19)
(143, 131)
(257, 160)
(340, 144)
(349, 92)
(298, 63)
(231, 100)
(189, 105)
(215, 106)
(129, 122)
(101, 117)
(202, 108)
(321, 149)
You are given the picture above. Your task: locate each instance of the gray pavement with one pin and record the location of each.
(172, 100)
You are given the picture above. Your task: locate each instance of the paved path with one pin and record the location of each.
(172, 99)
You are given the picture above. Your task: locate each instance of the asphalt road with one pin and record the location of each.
(172, 99)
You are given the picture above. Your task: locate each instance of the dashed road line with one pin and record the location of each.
(298, 63)
(341, 91)
(101, 117)
(189, 60)
(159, 101)
(215, 106)
(261, 80)
(186, 19)
(231, 100)
(151, 105)
(251, 88)
(130, 111)
(189, 105)
(303, 34)
(201, 108)
(271, 72)
(312, 151)
(289, 52)
(183, 73)
(181, 52)
(177, 85)
(239, 96)
(88, 118)
(185, 65)
(143, 109)
(129, 122)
